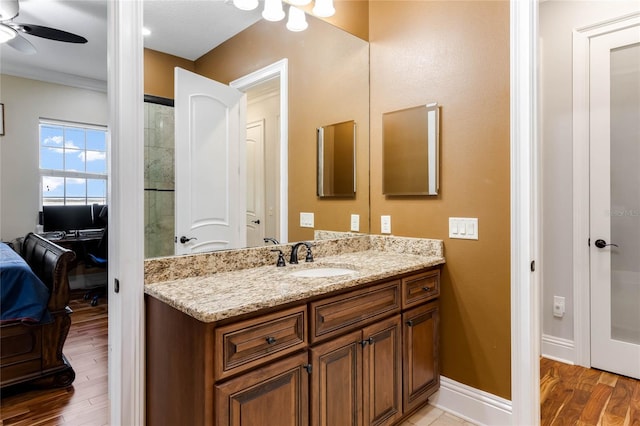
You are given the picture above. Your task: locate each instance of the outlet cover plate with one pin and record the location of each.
(385, 224)
(355, 223)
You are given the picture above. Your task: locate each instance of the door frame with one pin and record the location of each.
(126, 379)
(277, 69)
(581, 260)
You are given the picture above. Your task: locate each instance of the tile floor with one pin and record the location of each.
(432, 416)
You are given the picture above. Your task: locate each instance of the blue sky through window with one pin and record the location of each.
(73, 164)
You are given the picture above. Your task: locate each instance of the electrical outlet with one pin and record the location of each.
(306, 220)
(385, 224)
(355, 223)
(558, 306)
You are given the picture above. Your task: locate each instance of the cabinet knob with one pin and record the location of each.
(365, 341)
(426, 288)
(307, 367)
(271, 340)
(409, 323)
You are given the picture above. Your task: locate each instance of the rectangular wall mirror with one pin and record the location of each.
(411, 151)
(336, 160)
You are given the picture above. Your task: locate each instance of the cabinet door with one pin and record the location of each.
(276, 394)
(382, 372)
(420, 354)
(336, 382)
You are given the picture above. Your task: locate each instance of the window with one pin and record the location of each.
(73, 163)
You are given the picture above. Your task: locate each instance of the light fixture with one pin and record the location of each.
(7, 33)
(273, 10)
(146, 31)
(245, 4)
(323, 8)
(297, 20)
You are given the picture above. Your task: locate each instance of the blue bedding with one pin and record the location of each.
(23, 297)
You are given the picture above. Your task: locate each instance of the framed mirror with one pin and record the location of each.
(337, 160)
(410, 157)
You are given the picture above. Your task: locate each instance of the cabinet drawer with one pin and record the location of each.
(420, 288)
(243, 345)
(345, 312)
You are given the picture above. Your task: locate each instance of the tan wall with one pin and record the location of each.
(351, 15)
(328, 83)
(455, 53)
(158, 72)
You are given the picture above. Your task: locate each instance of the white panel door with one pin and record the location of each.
(614, 113)
(255, 184)
(210, 161)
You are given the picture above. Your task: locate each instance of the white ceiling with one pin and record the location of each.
(184, 28)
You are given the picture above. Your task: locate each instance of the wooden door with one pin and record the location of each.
(275, 394)
(421, 370)
(336, 382)
(382, 372)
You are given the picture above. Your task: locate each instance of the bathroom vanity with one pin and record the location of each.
(273, 346)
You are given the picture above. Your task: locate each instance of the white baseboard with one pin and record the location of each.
(471, 404)
(558, 349)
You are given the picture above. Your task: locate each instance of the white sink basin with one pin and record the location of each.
(322, 272)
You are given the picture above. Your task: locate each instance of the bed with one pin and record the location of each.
(35, 318)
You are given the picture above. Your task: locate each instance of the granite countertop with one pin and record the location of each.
(210, 298)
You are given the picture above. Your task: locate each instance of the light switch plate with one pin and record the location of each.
(306, 220)
(465, 228)
(355, 223)
(385, 224)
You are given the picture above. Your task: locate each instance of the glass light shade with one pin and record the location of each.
(245, 4)
(6, 34)
(297, 20)
(299, 2)
(273, 10)
(324, 8)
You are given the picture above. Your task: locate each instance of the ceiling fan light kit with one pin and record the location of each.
(273, 11)
(7, 33)
(11, 32)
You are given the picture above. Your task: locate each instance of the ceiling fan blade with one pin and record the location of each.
(49, 33)
(21, 44)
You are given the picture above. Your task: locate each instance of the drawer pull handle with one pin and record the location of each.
(271, 340)
(426, 288)
(365, 341)
(410, 323)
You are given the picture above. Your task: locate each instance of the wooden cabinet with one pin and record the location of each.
(356, 378)
(420, 354)
(275, 394)
(368, 356)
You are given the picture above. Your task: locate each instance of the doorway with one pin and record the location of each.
(614, 92)
(606, 197)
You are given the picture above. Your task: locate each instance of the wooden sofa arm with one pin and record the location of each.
(51, 263)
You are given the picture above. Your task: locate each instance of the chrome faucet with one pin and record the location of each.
(294, 252)
(273, 240)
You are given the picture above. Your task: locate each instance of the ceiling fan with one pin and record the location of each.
(11, 32)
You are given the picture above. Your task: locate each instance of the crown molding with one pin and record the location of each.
(49, 76)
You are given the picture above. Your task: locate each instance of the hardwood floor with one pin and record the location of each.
(570, 395)
(84, 403)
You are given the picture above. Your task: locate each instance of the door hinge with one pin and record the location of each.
(116, 285)
(533, 266)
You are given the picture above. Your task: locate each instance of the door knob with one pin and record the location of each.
(257, 221)
(184, 239)
(603, 244)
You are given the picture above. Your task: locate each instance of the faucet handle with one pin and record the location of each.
(309, 257)
(280, 258)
